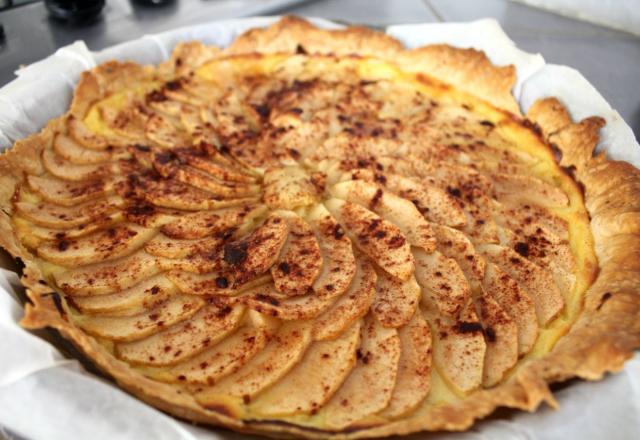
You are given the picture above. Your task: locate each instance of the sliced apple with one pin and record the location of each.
(76, 231)
(515, 302)
(77, 154)
(379, 239)
(400, 212)
(184, 340)
(134, 300)
(413, 380)
(338, 261)
(131, 328)
(313, 380)
(538, 283)
(300, 260)
(395, 302)
(126, 120)
(266, 299)
(289, 188)
(63, 169)
(177, 195)
(459, 350)
(254, 254)
(198, 263)
(82, 134)
(166, 106)
(54, 216)
(454, 244)
(161, 130)
(282, 353)
(434, 203)
(530, 189)
(205, 223)
(442, 281)
(351, 306)
(169, 165)
(163, 246)
(108, 277)
(65, 193)
(226, 171)
(212, 283)
(501, 337)
(369, 387)
(118, 241)
(224, 358)
(530, 217)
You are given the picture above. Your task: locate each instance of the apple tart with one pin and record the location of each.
(321, 233)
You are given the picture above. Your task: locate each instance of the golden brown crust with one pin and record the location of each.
(293, 34)
(466, 69)
(601, 340)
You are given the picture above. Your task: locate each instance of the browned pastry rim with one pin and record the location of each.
(603, 338)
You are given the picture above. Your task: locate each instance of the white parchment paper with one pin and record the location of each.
(44, 396)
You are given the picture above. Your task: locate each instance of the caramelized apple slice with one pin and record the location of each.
(126, 121)
(198, 263)
(145, 295)
(288, 188)
(414, 368)
(515, 302)
(379, 239)
(163, 246)
(75, 153)
(454, 244)
(74, 232)
(369, 387)
(254, 254)
(400, 212)
(266, 299)
(108, 277)
(61, 168)
(177, 195)
(224, 358)
(501, 337)
(212, 283)
(459, 350)
(434, 203)
(68, 193)
(538, 283)
(115, 242)
(442, 281)
(350, 306)
(313, 380)
(338, 261)
(63, 217)
(161, 130)
(131, 328)
(225, 171)
(282, 353)
(82, 134)
(184, 340)
(205, 223)
(300, 260)
(395, 301)
(168, 164)
(529, 189)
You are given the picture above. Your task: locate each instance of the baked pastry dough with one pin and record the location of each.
(320, 233)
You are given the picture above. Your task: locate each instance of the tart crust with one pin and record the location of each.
(603, 338)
